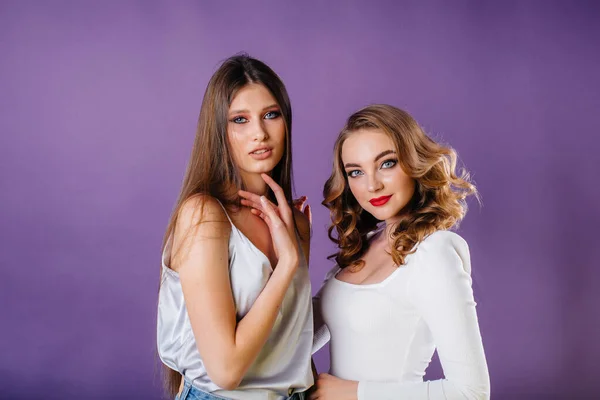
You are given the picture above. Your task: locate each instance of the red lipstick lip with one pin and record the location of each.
(379, 201)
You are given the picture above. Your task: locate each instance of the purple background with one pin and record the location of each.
(99, 102)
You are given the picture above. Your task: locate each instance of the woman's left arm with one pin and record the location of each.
(442, 294)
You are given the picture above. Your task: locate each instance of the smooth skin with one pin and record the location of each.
(201, 245)
(373, 170)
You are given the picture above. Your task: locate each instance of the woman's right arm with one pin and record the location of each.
(227, 347)
(440, 289)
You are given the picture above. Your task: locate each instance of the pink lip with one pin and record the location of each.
(262, 156)
(379, 201)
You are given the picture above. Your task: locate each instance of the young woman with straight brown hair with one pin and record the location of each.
(234, 311)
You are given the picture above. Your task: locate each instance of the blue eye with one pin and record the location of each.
(354, 173)
(389, 163)
(239, 120)
(272, 114)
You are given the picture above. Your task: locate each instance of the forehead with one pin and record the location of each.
(251, 96)
(364, 145)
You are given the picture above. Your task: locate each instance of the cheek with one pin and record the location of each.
(400, 182)
(236, 141)
(356, 188)
(406, 190)
(409, 187)
(276, 130)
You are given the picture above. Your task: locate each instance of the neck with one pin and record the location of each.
(390, 225)
(254, 183)
(384, 237)
(392, 222)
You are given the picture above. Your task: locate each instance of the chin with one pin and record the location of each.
(262, 168)
(383, 213)
(378, 214)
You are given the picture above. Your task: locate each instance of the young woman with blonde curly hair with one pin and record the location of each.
(400, 289)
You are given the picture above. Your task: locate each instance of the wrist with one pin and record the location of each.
(289, 261)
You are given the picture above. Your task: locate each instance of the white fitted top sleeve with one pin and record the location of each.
(440, 290)
(383, 335)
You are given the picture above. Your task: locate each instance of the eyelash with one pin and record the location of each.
(276, 114)
(393, 161)
(236, 120)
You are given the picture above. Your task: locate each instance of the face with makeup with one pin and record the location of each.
(256, 131)
(376, 180)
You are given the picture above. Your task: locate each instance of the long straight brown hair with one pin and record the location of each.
(211, 169)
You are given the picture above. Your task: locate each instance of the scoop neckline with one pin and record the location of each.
(368, 285)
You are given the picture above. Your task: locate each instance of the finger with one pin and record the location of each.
(300, 201)
(299, 206)
(270, 212)
(265, 218)
(259, 213)
(272, 184)
(308, 212)
(249, 203)
(279, 195)
(249, 196)
(257, 205)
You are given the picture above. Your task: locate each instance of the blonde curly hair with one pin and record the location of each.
(438, 202)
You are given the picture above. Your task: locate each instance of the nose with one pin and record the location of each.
(374, 184)
(261, 133)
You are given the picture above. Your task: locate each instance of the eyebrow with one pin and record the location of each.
(247, 112)
(382, 154)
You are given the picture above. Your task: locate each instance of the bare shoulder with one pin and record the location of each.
(302, 224)
(205, 213)
(202, 226)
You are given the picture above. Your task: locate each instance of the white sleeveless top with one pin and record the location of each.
(283, 366)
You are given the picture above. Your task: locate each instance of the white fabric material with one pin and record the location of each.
(283, 364)
(384, 335)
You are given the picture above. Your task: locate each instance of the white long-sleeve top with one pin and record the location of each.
(383, 335)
